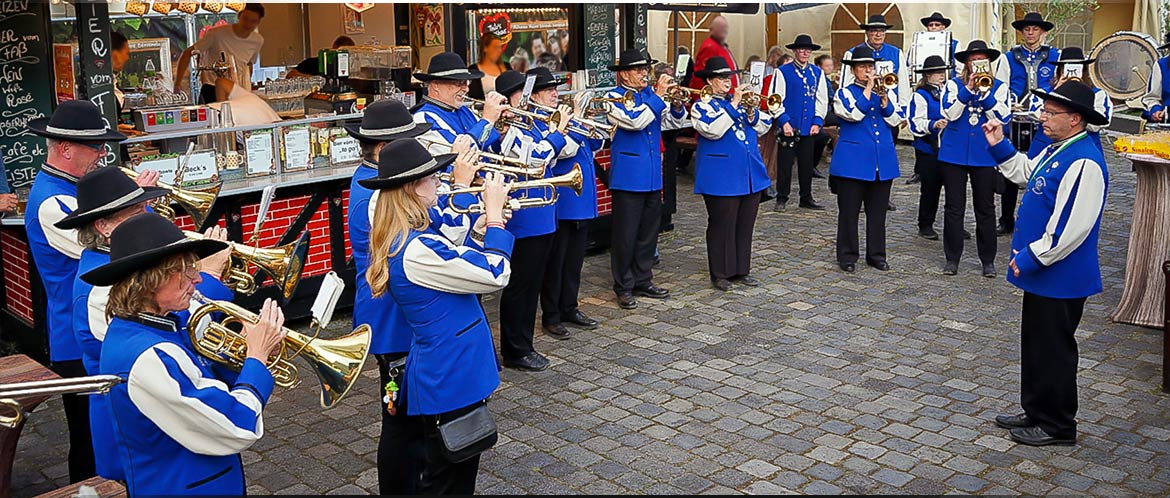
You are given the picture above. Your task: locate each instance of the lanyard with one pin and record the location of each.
(1044, 162)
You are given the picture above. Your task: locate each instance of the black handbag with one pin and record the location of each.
(468, 435)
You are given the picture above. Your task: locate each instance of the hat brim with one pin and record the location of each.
(39, 126)
(468, 76)
(992, 54)
(379, 183)
(1075, 61)
(1091, 115)
(868, 26)
(78, 219)
(925, 70)
(353, 128)
(623, 67)
(1164, 47)
(1021, 24)
(926, 20)
(854, 62)
(117, 270)
(810, 46)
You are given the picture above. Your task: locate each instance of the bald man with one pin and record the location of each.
(715, 46)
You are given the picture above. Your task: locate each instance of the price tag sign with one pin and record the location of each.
(201, 169)
(345, 150)
(756, 80)
(297, 151)
(259, 157)
(165, 166)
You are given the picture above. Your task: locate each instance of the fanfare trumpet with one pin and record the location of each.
(573, 180)
(283, 264)
(582, 126)
(626, 100)
(982, 71)
(753, 100)
(197, 203)
(510, 167)
(887, 82)
(10, 393)
(337, 362)
(683, 95)
(525, 116)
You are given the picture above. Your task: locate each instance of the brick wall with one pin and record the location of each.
(604, 200)
(17, 261)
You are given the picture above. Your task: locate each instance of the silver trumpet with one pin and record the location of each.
(582, 126)
(10, 393)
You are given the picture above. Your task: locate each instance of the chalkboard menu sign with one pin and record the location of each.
(26, 86)
(600, 52)
(640, 21)
(93, 25)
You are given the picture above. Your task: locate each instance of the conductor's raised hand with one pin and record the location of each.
(994, 133)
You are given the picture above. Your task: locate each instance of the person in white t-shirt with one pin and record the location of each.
(247, 108)
(239, 42)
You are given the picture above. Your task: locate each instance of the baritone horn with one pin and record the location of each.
(10, 393)
(197, 203)
(983, 78)
(573, 180)
(337, 362)
(283, 264)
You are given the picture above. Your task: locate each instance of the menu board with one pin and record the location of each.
(27, 86)
(640, 21)
(93, 25)
(600, 52)
(297, 152)
(260, 159)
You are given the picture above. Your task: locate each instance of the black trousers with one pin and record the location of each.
(439, 476)
(851, 194)
(927, 168)
(399, 451)
(81, 459)
(521, 297)
(562, 273)
(671, 164)
(730, 223)
(1048, 362)
(635, 237)
(1021, 135)
(794, 149)
(983, 180)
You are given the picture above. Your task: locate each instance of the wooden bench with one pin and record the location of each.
(1166, 332)
(13, 369)
(105, 488)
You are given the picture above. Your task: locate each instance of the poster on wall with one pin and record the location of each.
(64, 58)
(429, 21)
(353, 23)
(149, 64)
(523, 38)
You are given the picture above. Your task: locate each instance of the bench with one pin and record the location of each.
(1166, 332)
(105, 488)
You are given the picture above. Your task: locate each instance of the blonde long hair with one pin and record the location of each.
(136, 292)
(397, 211)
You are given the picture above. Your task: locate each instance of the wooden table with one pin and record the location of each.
(104, 488)
(1143, 299)
(17, 368)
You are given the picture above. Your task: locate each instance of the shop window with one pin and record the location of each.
(846, 33)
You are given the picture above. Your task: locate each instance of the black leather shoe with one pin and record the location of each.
(880, 265)
(581, 320)
(848, 267)
(532, 362)
(780, 206)
(557, 331)
(951, 268)
(652, 291)
(627, 301)
(816, 173)
(891, 207)
(1035, 436)
(813, 205)
(1003, 229)
(989, 270)
(1014, 421)
(722, 284)
(747, 280)
(928, 233)
(966, 234)
(914, 179)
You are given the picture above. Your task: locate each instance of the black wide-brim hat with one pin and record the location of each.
(384, 121)
(876, 21)
(803, 41)
(544, 78)
(509, 82)
(1032, 19)
(1073, 55)
(404, 161)
(448, 66)
(716, 67)
(936, 16)
(1077, 97)
(75, 121)
(632, 58)
(105, 191)
(141, 243)
(1167, 45)
(934, 63)
(977, 47)
(860, 55)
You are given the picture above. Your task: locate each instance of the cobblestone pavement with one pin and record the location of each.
(817, 382)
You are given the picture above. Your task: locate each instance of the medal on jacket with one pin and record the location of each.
(973, 118)
(391, 397)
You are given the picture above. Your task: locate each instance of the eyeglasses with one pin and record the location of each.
(190, 269)
(93, 145)
(1045, 113)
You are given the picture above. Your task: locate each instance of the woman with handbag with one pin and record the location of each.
(864, 163)
(451, 368)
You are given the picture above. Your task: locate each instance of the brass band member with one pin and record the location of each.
(451, 368)
(180, 429)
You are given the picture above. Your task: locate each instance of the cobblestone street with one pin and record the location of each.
(816, 382)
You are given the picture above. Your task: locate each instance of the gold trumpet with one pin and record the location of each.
(526, 117)
(582, 126)
(10, 393)
(753, 100)
(494, 159)
(573, 180)
(982, 71)
(626, 100)
(683, 95)
(283, 264)
(337, 362)
(886, 82)
(197, 203)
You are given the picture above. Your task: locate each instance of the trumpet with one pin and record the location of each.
(491, 158)
(683, 95)
(337, 362)
(573, 180)
(283, 264)
(626, 100)
(197, 203)
(526, 117)
(587, 127)
(10, 393)
(753, 100)
(887, 82)
(982, 71)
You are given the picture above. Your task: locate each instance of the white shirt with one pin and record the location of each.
(248, 108)
(222, 39)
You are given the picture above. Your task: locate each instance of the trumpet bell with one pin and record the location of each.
(283, 264)
(197, 203)
(336, 362)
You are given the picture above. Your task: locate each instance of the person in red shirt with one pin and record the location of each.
(715, 46)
